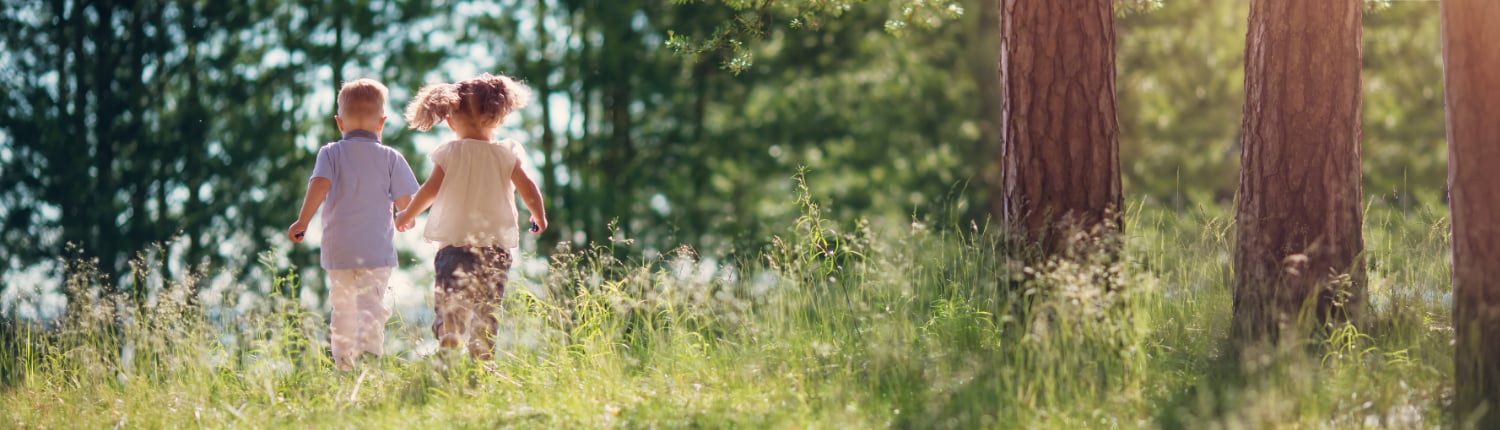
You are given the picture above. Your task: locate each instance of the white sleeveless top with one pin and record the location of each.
(476, 205)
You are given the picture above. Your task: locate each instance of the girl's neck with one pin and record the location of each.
(465, 131)
(471, 136)
(485, 135)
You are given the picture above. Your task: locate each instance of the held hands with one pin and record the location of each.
(296, 231)
(405, 220)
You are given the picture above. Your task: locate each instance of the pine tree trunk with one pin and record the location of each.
(1059, 161)
(1470, 61)
(549, 239)
(1298, 210)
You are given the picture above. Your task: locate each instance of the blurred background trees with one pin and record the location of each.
(126, 123)
(132, 123)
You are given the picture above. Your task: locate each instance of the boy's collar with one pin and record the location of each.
(361, 134)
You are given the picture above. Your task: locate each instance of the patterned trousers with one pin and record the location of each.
(470, 285)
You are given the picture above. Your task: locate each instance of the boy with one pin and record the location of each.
(360, 179)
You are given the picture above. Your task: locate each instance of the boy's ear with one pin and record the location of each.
(339, 120)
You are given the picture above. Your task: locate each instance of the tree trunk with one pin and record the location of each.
(548, 243)
(1299, 240)
(106, 110)
(1470, 59)
(337, 63)
(1059, 160)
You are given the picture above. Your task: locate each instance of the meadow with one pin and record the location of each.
(832, 326)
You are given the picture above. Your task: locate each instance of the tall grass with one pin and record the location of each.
(834, 326)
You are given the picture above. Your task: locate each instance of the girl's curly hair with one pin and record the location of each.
(485, 100)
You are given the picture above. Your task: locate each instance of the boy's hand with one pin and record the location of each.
(538, 225)
(296, 231)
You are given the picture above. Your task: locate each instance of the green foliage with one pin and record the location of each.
(753, 21)
(678, 151)
(1405, 152)
(1180, 89)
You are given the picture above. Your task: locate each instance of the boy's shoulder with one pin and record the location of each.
(333, 145)
(343, 143)
(341, 149)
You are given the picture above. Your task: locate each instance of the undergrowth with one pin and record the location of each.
(836, 325)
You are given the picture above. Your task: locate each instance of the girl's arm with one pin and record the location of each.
(531, 196)
(408, 217)
(402, 202)
(317, 191)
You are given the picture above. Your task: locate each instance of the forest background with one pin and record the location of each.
(198, 150)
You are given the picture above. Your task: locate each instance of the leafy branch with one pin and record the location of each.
(756, 19)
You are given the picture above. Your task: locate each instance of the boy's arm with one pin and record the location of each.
(532, 197)
(407, 218)
(317, 191)
(403, 182)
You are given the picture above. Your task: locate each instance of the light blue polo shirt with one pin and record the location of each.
(367, 178)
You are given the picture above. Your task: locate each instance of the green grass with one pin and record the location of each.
(910, 328)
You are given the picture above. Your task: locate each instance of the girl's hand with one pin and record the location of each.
(296, 231)
(538, 225)
(405, 220)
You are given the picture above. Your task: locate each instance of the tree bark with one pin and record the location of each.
(1298, 214)
(1059, 160)
(1470, 62)
(548, 243)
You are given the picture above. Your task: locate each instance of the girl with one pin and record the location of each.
(472, 195)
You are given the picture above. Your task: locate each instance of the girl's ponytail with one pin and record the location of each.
(431, 105)
(514, 95)
(489, 98)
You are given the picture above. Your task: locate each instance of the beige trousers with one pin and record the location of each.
(359, 312)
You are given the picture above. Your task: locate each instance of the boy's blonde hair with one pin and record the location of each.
(362, 97)
(484, 100)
